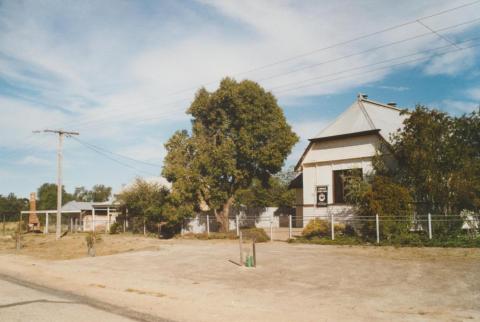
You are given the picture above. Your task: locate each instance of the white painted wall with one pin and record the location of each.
(198, 225)
(342, 149)
(325, 157)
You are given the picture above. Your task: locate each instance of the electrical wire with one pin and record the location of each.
(337, 44)
(120, 155)
(113, 159)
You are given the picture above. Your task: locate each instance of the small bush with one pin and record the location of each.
(115, 228)
(92, 238)
(258, 234)
(316, 228)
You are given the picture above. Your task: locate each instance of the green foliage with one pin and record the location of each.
(148, 203)
(239, 134)
(11, 205)
(47, 196)
(257, 234)
(411, 240)
(115, 228)
(274, 193)
(99, 193)
(316, 228)
(391, 201)
(439, 160)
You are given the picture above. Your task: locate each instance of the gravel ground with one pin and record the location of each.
(19, 302)
(195, 281)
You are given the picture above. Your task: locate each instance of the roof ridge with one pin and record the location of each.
(365, 113)
(381, 104)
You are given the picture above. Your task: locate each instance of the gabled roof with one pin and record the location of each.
(77, 206)
(363, 116)
(85, 205)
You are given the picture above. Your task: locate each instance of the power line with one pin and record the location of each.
(376, 63)
(372, 49)
(332, 74)
(361, 37)
(435, 32)
(113, 159)
(121, 155)
(337, 44)
(374, 70)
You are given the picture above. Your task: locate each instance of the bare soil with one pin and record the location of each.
(192, 280)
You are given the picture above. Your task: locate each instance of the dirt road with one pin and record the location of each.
(20, 301)
(194, 281)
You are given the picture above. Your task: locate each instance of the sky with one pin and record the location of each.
(123, 73)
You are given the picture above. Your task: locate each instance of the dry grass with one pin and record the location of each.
(142, 292)
(74, 245)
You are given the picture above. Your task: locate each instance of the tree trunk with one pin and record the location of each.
(222, 216)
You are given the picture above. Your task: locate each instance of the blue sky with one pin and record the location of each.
(122, 73)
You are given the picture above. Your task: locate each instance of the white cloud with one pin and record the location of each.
(457, 106)
(308, 129)
(120, 72)
(36, 161)
(104, 65)
(305, 129)
(395, 88)
(451, 63)
(474, 93)
(150, 149)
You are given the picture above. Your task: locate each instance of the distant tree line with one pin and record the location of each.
(47, 198)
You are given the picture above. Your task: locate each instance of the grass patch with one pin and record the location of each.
(340, 240)
(258, 234)
(213, 235)
(460, 241)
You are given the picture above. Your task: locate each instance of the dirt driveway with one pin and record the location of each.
(189, 280)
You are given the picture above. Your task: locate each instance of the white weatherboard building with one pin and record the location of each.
(347, 145)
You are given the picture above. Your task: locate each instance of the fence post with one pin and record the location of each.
(378, 228)
(181, 228)
(290, 226)
(208, 225)
(46, 223)
(241, 253)
(4, 230)
(93, 219)
(271, 230)
(429, 226)
(238, 226)
(332, 227)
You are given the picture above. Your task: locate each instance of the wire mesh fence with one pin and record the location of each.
(278, 226)
(369, 228)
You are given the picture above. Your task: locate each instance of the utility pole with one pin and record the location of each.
(61, 134)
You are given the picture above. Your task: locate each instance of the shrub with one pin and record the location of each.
(316, 228)
(115, 228)
(92, 238)
(258, 234)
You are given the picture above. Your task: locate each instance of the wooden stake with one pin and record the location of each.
(254, 254)
(240, 243)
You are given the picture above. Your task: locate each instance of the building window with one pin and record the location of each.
(341, 179)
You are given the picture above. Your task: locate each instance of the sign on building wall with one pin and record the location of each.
(322, 196)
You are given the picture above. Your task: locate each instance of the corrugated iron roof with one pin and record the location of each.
(365, 115)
